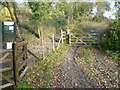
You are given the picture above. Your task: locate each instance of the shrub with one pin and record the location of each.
(111, 38)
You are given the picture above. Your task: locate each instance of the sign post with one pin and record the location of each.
(8, 34)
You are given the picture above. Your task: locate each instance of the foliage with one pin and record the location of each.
(41, 10)
(111, 38)
(99, 18)
(101, 8)
(114, 54)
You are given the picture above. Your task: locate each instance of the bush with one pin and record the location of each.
(111, 38)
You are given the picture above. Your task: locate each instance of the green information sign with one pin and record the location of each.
(8, 32)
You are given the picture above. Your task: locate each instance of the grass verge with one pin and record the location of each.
(41, 74)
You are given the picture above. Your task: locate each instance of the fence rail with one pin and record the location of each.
(18, 70)
(76, 39)
(6, 77)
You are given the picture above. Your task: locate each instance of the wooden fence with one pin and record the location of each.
(7, 72)
(20, 63)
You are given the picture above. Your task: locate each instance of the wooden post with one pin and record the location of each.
(62, 35)
(25, 55)
(70, 39)
(39, 32)
(15, 72)
(59, 42)
(53, 42)
(42, 45)
(69, 36)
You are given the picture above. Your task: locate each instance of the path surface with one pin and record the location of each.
(98, 73)
(72, 74)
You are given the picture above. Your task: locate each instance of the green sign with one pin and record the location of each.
(8, 27)
(8, 31)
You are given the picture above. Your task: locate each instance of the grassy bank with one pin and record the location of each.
(41, 74)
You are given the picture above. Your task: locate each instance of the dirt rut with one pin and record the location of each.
(71, 76)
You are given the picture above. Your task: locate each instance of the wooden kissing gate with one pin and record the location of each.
(19, 64)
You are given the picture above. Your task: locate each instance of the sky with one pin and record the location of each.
(106, 14)
(110, 13)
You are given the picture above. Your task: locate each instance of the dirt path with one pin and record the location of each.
(69, 72)
(107, 68)
(73, 74)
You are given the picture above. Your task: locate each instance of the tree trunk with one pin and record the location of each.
(8, 7)
(17, 21)
(14, 8)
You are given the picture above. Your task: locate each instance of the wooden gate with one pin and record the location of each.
(7, 69)
(76, 39)
(19, 64)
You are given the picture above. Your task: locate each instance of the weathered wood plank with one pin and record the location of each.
(34, 55)
(7, 60)
(8, 79)
(6, 69)
(5, 85)
(19, 68)
(4, 50)
(23, 73)
(21, 44)
(95, 32)
(9, 76)
(25, 55)
(22, 53)
(5, 55)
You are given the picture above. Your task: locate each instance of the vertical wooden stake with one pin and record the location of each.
(69, 37)
(15, 72)
(59, 42)
(62, 35)
(42, 45)
(53, 42)
(25, 55)
(39, 32)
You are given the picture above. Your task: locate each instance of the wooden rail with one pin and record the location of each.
(21, 44)
(76, 39)
(7, 77)
(18, 70)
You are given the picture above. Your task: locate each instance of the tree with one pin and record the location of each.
(11, 6)
(117, 6)
(41, 12)
(101, 8)
(8, 6)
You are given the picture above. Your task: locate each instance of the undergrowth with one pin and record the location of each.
(41, 74)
